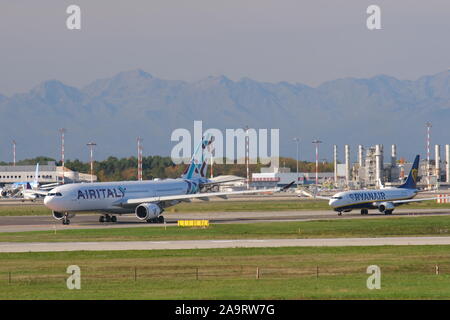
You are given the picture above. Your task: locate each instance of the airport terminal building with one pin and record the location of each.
(49, 173)
(278, 177)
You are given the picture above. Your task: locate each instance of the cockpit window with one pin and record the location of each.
(339, 198)
(54, 194)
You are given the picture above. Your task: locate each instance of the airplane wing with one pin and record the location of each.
(310, 195)
(215, 182)
(414, 200)
(39, 192)
(49, 186)
(201, 196)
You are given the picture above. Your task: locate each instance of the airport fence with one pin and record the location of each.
(224, 272)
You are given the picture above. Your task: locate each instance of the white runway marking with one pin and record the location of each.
(212, 244)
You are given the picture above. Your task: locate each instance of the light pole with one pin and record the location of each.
(297, 140)
(91, 146)
(14, 152)
(317, 142)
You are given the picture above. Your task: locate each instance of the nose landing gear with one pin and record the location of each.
(65, 219)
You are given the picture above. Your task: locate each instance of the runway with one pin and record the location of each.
(90, 221)
(218, 244)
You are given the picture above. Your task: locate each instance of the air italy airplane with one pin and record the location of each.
(385, 199)
(147, 199)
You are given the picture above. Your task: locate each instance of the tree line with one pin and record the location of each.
(115, 169)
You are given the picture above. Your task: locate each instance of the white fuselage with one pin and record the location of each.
(369, 199)
(108, 196)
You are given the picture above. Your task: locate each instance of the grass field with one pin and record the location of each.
(284, 273)
(224, 206)
(197, 206)
(375, 227)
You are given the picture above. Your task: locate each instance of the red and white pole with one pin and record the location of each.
(62, 131)
(247, 156)
(428, 153)
(139, 146)
(91, 147)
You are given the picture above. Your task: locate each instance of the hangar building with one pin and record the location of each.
(49, 173)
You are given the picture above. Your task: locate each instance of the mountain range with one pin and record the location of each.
(113, 112)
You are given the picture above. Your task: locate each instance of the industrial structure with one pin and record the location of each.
(370, 169)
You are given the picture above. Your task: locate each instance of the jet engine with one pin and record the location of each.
(29, 196)
(386, 206)
(146, 211)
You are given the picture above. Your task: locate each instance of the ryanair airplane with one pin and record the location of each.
(146, 199)
(384, 200)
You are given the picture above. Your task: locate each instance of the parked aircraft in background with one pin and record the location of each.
(28, 190)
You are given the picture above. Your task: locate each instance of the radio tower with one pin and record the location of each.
(62, 131)
(428, 124)
(247, 156)
(212, 163)
(91, 146)
(210, 150)
(14, 152)
(139, 148)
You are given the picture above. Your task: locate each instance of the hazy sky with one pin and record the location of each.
(307, 41)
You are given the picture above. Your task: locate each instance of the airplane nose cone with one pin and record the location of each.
(47, 200)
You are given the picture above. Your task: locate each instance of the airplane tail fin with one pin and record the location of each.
(411, 181)
(305, 180)
(198, 165)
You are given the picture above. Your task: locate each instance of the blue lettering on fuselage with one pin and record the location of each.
(101, 193)
(367, 196)
(110, 193)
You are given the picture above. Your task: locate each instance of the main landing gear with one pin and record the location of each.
(159, 219)
(388, 212)
(107, 218)
(364, 211)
